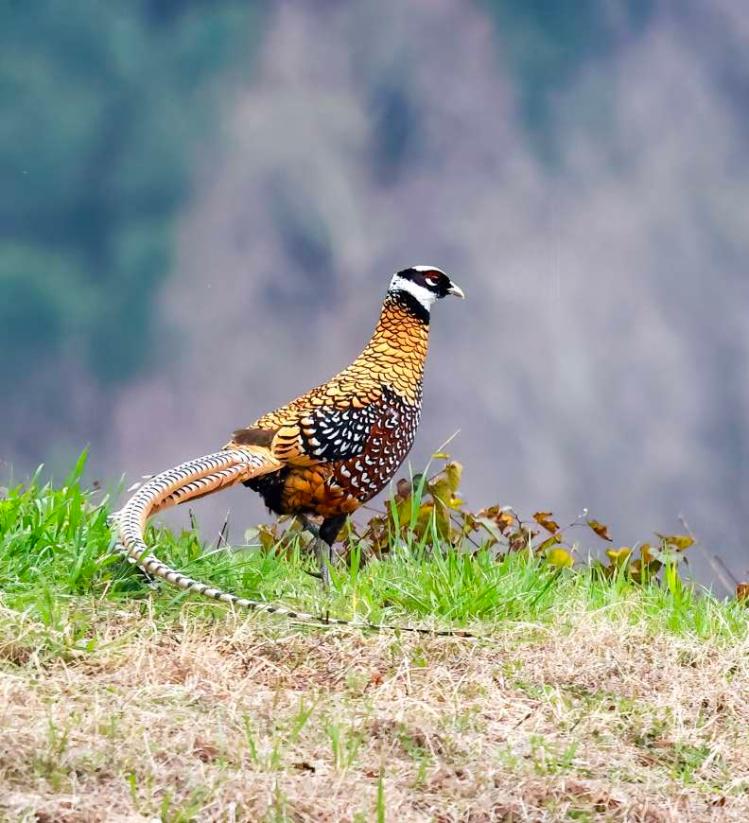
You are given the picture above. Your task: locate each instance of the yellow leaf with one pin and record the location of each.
(429, 513)
(548, 543)
(560, 558)
(619, 556)
(445, 486)
(681, 542)
(441, 456)
(441, 491)
(545, 520)
(403, 512)
(453, 472)
(601, 529)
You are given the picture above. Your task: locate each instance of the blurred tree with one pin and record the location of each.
(545, 43)
(102, 103)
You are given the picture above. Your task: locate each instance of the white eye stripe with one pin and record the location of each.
(423, 295)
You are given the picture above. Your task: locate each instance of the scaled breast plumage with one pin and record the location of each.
(344, 440)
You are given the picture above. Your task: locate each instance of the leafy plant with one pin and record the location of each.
(424, 554)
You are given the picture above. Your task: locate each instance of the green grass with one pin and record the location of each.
(56, 563)
(586, 696)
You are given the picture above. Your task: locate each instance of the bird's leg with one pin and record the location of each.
(328, 534)
(323, 538)
(321, 550)
(324, 558)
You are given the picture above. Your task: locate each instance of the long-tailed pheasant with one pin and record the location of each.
(325, 453)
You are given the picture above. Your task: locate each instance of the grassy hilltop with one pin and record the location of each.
(610, 691)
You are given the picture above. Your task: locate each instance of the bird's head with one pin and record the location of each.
(425, 284)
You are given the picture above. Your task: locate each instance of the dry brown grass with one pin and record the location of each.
(207, 721)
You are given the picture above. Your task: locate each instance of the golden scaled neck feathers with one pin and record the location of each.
(393, 358)
(396, 354)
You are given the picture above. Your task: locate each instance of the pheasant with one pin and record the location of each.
(322, 455)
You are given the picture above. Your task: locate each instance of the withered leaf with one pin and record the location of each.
(546, 520)
(742, 593)
(505, 520)
(470, 521)
(681, 542)
(491, 512)
(267, 537)
(503, 517)
(646, 552)
(635, 570)
(601, 529)
(402, 489)
(518, 540)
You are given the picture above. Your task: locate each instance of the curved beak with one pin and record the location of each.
(456, 290)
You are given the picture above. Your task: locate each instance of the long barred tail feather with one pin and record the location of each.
(197, 478)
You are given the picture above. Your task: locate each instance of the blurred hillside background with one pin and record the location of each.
(201, 204)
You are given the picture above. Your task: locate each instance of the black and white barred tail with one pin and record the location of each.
(197, 478)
